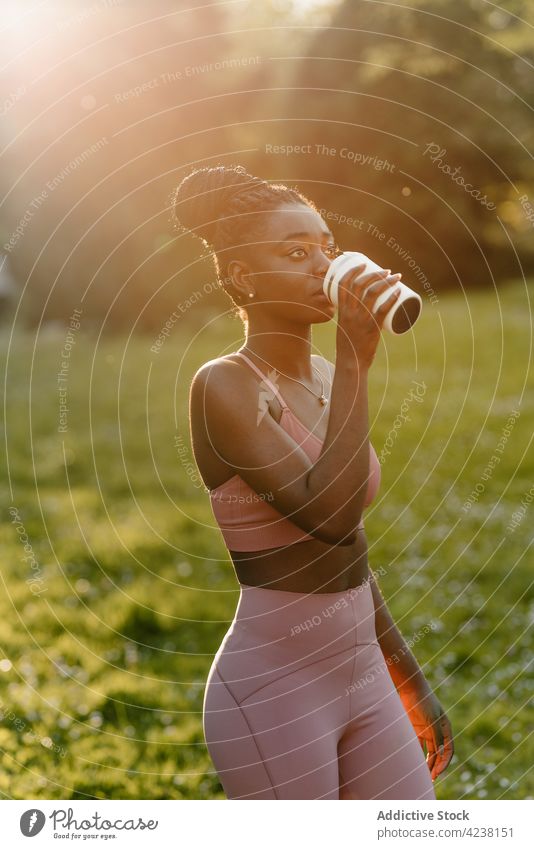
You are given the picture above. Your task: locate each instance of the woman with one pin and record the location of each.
(301, 700)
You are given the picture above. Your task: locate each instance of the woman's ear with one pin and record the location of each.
(238, 274)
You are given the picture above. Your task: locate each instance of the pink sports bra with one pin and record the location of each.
(247, 521)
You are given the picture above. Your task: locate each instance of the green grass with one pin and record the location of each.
(104, 695)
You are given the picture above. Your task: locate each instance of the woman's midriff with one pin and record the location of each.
(304, 567)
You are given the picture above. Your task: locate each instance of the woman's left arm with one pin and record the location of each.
(426, 714)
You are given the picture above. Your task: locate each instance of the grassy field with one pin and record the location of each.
(109, 626)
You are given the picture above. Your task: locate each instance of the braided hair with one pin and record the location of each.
(219, 205)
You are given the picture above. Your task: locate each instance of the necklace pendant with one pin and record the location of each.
(324, 400)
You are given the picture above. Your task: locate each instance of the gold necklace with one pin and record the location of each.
(323, 400)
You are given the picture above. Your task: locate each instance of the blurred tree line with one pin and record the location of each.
(411, 120)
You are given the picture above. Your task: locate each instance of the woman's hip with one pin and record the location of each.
(276, 634)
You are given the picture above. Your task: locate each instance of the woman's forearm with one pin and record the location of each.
(338, 479)
(402, 665)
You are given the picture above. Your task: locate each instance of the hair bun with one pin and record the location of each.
(200, 200)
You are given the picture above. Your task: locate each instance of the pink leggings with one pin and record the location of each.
(299, 703)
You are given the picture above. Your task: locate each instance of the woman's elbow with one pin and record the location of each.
(336, 536)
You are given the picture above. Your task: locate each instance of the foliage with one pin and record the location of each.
(123, 108)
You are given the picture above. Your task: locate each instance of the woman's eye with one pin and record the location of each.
(332, 250)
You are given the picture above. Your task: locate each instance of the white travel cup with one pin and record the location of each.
(404, 311)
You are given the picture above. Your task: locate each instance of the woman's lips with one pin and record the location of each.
(323, 297)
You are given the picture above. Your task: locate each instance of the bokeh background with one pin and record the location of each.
(410, 124)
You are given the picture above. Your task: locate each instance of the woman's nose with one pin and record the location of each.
(322, 264)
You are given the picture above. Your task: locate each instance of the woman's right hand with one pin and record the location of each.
(358, 329)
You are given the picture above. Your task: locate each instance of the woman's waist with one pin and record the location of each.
(298, 623)
(309, 566)
(276, 634)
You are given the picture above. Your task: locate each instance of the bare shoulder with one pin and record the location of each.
(223, 379)
(327, 367)
(219, 404)
(217, 367)
(220, 368)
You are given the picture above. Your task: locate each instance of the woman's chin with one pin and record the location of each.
(323, 312)
(318, 312)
